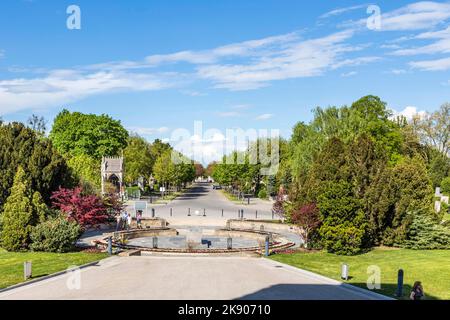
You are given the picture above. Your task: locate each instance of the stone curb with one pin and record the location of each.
(53, 275)
(346, 286)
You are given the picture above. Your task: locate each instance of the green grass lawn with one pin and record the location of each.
(430, 267)
(11, 264)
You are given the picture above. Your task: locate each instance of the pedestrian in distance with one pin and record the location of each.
(139, 219)
(417, 291)
(118, 222)
(129, 221)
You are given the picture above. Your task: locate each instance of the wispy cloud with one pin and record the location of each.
(246, 65)
(340, 11)
(64, 86)
(432, 65)
(296, 59)
(415, 16)
(349, 74)
(265, 116)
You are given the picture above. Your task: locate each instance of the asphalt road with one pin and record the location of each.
(186, 278)
(201, 199)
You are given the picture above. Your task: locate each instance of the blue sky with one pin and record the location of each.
(161, 65)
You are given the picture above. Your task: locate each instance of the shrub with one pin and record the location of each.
(55, 235)
(445, 186)
(307, 217)
(86, 210)
(425, 232)
(262, 194)
(342, 239)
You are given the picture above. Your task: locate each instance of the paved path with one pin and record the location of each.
(185, 278)
(200, 199)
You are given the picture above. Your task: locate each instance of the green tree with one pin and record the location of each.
(139, 159)
(45, 168)
(434, 129)
(425, 233)
(164, 168)
(445, 185)
(86, 170)
(88, 134)
(17, 217)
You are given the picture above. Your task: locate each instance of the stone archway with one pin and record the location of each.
(112, 171)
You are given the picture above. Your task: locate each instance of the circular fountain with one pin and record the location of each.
(157, 236)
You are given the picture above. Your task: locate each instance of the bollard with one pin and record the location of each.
(170, 211)
(27, 270)
(256, 214)
(272, 215)
(267, 247)
(153, 212)
(399, 292)
(242, 214)
(248, 200)
(110, 246)
(155, 243)
(229, 243)
(222, 212)
(151, 199)
(189, 212)
(204, 212)
(239, 213)
(344, 272)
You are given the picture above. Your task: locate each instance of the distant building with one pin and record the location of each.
(112, 173)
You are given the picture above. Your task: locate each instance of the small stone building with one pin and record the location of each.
(112, 172)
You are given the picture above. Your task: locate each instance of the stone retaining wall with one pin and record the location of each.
(261, 226)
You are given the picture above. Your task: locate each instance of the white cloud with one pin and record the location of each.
(432, 65)
(409, 112)
(349, 74)
(295, 59)
(414, 16)
(441, 46)
(265, 116)
(398, 71)
(341, 11)
(63, 86)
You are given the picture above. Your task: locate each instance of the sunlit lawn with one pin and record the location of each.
(430, 267)
(11, 264)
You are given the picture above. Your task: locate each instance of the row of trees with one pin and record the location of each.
(84, 138)
(356, 177)
(50, 186)
(244, 171)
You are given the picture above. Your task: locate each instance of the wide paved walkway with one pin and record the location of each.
(185, 278)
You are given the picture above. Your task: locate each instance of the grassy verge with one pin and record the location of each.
(11, 264)
(446, 217)
(430, 267)
(171, 196)
(232, 197)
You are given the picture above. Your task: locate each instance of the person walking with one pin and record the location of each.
(417, 291)
(139, 219)
(124, 219)
(119, 222)
(129, 221)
